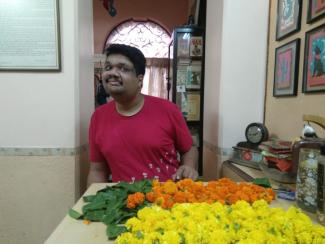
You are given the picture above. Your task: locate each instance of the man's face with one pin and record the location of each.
(119, 76)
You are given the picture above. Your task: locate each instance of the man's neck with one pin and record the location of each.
(131, 106)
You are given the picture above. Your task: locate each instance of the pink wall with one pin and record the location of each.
(168, 13)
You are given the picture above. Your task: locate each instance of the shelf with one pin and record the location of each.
(186, 79)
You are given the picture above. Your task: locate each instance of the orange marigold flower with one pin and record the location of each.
(135, 199)
(180, 197)
(232, 199)
(170, 187)
(160, 201)
(155, 183)
(86, 221)
(223, 190)
(150, 196)
(130, 205)
(185, 183)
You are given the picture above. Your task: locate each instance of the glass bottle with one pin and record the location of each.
(306, 187)
(321, 187)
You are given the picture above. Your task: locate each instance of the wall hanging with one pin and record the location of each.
(286, 69)
(288, 18)
(314, 66)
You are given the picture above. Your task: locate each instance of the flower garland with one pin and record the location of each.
(217, 223)
(224, 191)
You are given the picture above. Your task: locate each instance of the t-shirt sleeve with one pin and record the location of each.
(183, 138)
(95, 154)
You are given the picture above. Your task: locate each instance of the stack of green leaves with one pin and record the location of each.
(109, 206)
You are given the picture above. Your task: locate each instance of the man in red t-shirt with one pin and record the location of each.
(136, 136)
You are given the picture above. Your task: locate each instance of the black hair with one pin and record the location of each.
(132, 53)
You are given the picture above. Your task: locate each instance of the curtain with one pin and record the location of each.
(155, 82)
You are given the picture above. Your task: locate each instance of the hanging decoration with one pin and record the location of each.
(108, 5)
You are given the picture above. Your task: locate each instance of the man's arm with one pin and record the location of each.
(98, 173)
(189, 161)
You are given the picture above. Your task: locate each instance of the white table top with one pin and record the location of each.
(71, 231)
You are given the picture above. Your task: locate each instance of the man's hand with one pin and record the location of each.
(185, 171)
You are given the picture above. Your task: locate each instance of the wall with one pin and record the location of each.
(213, 45)
(43, 132)
(168, 13)
(283, 116)
(236, 47)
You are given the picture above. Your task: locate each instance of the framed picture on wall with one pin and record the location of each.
(314, 66)
(286, 69)
(316, 10)
(30, 36)
(288, 18)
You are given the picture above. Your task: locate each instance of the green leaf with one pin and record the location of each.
(229, 210)
(272, 231)
(182, 241)
(114, 231)
(262, 182)
(96, 215)
(236, 226)
(111, 217)
(74, 214)
(89, 198)
(104, 189)
(109, 205)
(138, 186)
(121, 185)
(95, 205)
(161, 231)
(139, 235)
(125, 215)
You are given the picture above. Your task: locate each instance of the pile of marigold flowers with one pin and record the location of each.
(218, 223)
(224, 191)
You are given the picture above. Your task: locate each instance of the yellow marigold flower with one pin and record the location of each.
(216, 223)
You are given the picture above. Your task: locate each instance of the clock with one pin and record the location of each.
(255, 133)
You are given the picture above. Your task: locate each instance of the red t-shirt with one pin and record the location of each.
(144, 145)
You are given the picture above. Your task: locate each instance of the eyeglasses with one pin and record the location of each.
(120, 68)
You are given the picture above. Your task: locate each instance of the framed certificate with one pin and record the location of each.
(193, 106)
(30, 36)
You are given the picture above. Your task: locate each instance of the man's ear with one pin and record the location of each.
(140, 80)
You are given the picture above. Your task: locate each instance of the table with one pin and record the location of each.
(71, 231)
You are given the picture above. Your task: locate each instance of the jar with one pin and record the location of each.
(306, 186)
(321, 187)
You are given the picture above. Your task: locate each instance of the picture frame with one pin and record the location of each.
(193, 106)
(32, 34)
(314, 64)
(196, 46)
(288, 18)
(193, 80)
(183, 45)
(316, 10)
(286, 69)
